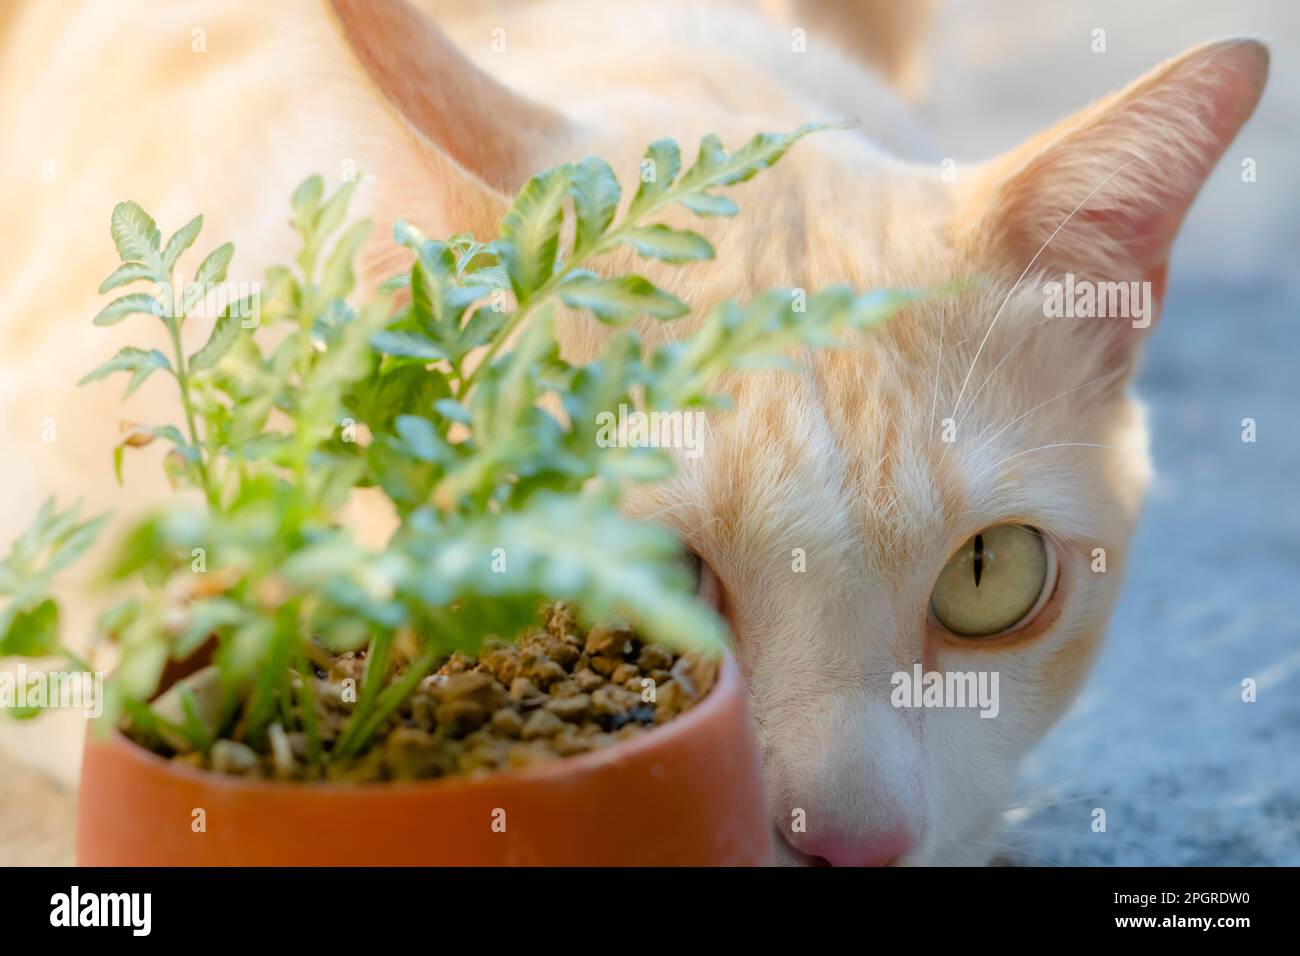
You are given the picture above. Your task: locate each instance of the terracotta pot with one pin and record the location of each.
(689, 792)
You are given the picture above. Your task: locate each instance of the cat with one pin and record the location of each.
(839, 511)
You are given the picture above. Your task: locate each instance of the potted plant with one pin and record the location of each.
(287, 694)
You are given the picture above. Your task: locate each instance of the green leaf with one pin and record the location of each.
(492, 274)
(407, 345)
(170, 432)
(482, 326)
(395, 390)
(306, 198)
(409, 235)
(52, 542)
(75, 543)
(420, 437)
(140, 668)
(331, 215)
(224, 335)
(667, 244)
(204, 619)
(713, 167)
(125, 274)
(426, 298)
(395, 283)
(337, 279)
(139, 362)
(453, 410)
(437, 259)
(707, 204)
(33, 633)
(659, 168)
(193, 726)
(135, 303)
(135, 234)
(595, 200)
(614, 300)
(531, 231)
(568, 547)
(181, 240)
(156, 361)
(213, 268)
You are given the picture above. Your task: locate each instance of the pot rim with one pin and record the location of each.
(727, 686)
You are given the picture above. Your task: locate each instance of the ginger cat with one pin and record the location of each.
(936, 497)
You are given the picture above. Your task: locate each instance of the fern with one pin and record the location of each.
(438, 403)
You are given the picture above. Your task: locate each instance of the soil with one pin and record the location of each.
(559, 690)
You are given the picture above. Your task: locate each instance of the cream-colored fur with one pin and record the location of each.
(844, 460)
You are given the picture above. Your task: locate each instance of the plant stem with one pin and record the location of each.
(307, 708)
(173, 323)
(390, 700)
(372, 681)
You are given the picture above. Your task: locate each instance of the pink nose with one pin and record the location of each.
(866, 849)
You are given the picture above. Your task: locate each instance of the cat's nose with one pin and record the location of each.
(846, 784)
(856, 849)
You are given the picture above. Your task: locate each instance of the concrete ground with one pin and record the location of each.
(36, 819)
(1160, 738)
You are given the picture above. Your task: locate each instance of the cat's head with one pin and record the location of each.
(956, 493)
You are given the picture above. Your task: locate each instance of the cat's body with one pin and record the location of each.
(828, 502)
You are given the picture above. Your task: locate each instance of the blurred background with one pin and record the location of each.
(1160, 739)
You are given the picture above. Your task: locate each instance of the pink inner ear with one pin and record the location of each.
(1184, 124)
(1146, 230)
(1136, 162)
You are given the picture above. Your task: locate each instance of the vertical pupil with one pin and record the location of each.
(979, 558)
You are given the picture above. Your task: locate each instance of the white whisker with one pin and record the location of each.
(1019, 418)
(1005, 355)
(994, 371)
(1063, 444)
(996, 315)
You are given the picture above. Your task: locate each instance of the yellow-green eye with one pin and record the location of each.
(993, 582)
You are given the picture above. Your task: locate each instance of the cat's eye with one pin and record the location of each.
(997, 580)
(707, 586)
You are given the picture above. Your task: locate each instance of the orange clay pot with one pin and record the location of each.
(689, 792)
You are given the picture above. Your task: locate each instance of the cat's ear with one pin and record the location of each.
(1102, 194)
(479, 140)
